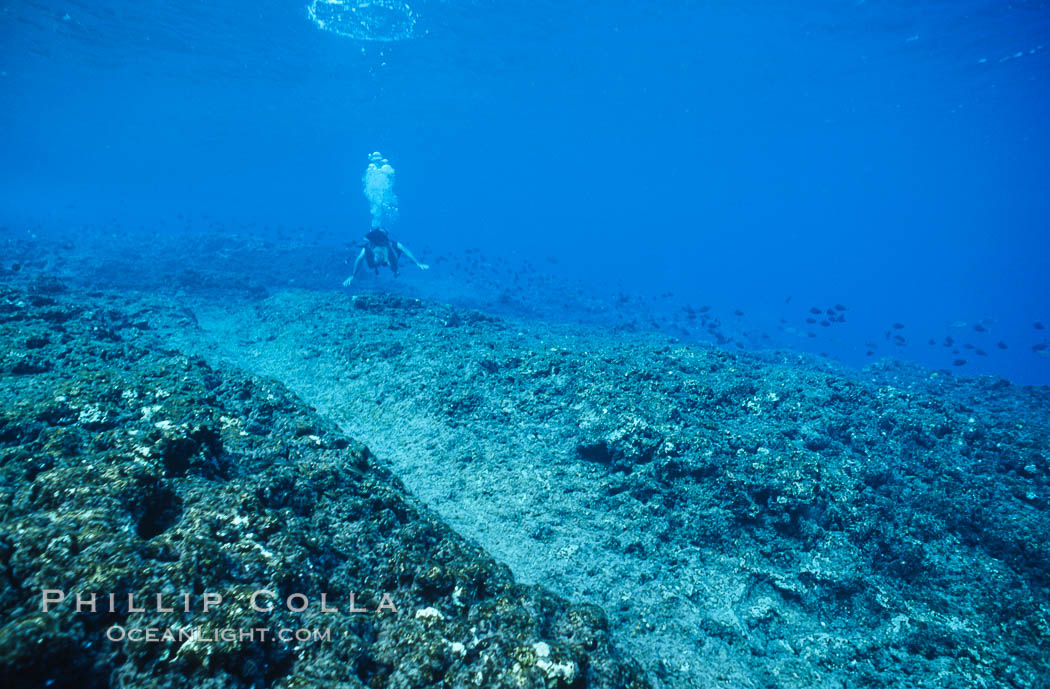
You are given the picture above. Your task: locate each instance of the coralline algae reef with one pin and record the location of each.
(169, 524)
(744, 520)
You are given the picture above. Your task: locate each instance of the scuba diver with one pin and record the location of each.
(380, 249)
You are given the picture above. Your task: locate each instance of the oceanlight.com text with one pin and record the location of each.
(199, 635)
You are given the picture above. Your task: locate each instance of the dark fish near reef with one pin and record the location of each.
(811, 319)
(898, 326)
(1001, 345)
(840, 307)
(959, 362)
(980, 328)
(816, 311)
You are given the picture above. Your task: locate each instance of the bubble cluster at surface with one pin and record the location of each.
(364, 20)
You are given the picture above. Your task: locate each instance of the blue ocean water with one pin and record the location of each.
(770, 158)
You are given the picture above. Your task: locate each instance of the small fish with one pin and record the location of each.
(816, 311)
(738, 312)
(825, 323)
(967, 346)
(1001, 345)
(980, 352)
(1038, 325)
(980, 328)
(949, 341)
(1041, 347)
(931, 342)
(898, 326)
(840, 307)
(959, 362)
(811, 319)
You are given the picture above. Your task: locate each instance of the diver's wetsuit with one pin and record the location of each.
(381, 250)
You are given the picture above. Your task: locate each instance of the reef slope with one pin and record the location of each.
(130, 468)
(745, 520)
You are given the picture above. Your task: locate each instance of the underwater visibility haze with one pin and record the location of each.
(619, 344)
(891, 157)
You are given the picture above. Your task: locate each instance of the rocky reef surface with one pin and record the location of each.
(766, 520)
(745, 519)
(157, 481)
